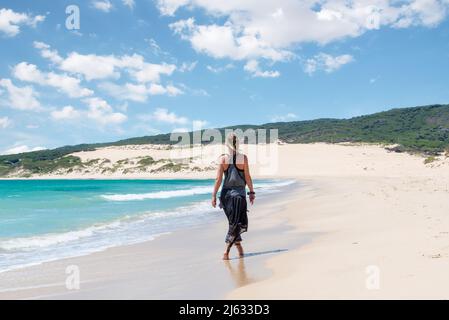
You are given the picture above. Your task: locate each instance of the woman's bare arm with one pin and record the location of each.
(249, 180)
(218, 180)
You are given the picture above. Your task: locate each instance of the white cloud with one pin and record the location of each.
(283, 118)
(138, 92)
(101, 112)
(226, 41)
(129, 3)
(266, 29)
(156, 49)
(199, 124)
(95, 67)
(156, 89)
(66, 113)
(168, 8)
(220, 68)
(188, 66)
(90, 66)
(252, 66)
(326, 62)
(163, 115)
(67, 84)
(128, 91)
(21, 98)
(10, 21)
(22, 149)
(151, 72)
(102, 5)
(27, 72)
(5, 122)
(47, 53)
(193, 91)
(180, 130)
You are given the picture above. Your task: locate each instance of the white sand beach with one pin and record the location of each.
(359, 211)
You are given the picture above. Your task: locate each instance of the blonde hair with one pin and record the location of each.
(232, 143)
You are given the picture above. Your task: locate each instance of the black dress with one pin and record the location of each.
(233, 202)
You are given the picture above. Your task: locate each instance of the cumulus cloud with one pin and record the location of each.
(11, 21)
(199, 124)
(21, 98)
(285, 117)
(94, 67)
(5, 122)
(151, 72)
(326, 62)
(66, 113)
(22, 149)
(170, 90)
(180, 130)
(163, 115)
(47, 52)
(220, 69)
(138, 92)
(101, 112)
(227, 41)
(188, 66)
(252, 66)
(168, 8)
(102, 5)
(128, 91)
(129, 3)
(98, 111)
(63, 82)
(266, 29)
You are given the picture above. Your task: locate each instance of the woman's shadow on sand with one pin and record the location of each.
(253, 254)
(238, 273)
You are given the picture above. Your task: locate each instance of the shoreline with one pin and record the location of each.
(49, 281)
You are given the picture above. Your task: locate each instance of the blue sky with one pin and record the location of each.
(137, 68)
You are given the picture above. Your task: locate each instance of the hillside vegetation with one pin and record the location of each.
(419, 129)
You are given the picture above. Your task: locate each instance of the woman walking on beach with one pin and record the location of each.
(235, 168)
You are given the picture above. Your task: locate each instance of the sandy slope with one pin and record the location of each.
(374, 213)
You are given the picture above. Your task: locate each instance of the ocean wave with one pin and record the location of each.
(124, 225)
(53, 238)
(158, 194)
(274, 185)
(269, 186)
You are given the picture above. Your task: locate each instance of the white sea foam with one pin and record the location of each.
(158, 194)
(124, 224)
(272, 186)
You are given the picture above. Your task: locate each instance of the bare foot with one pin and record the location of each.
(225, 256)
(240, 250)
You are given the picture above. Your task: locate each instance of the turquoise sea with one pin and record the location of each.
(44, 220)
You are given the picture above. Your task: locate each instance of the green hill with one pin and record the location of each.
(420, 129)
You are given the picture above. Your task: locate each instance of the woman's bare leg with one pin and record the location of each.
(239, 247)
(226, 253)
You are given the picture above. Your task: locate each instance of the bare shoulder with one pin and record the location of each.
(223, 159)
